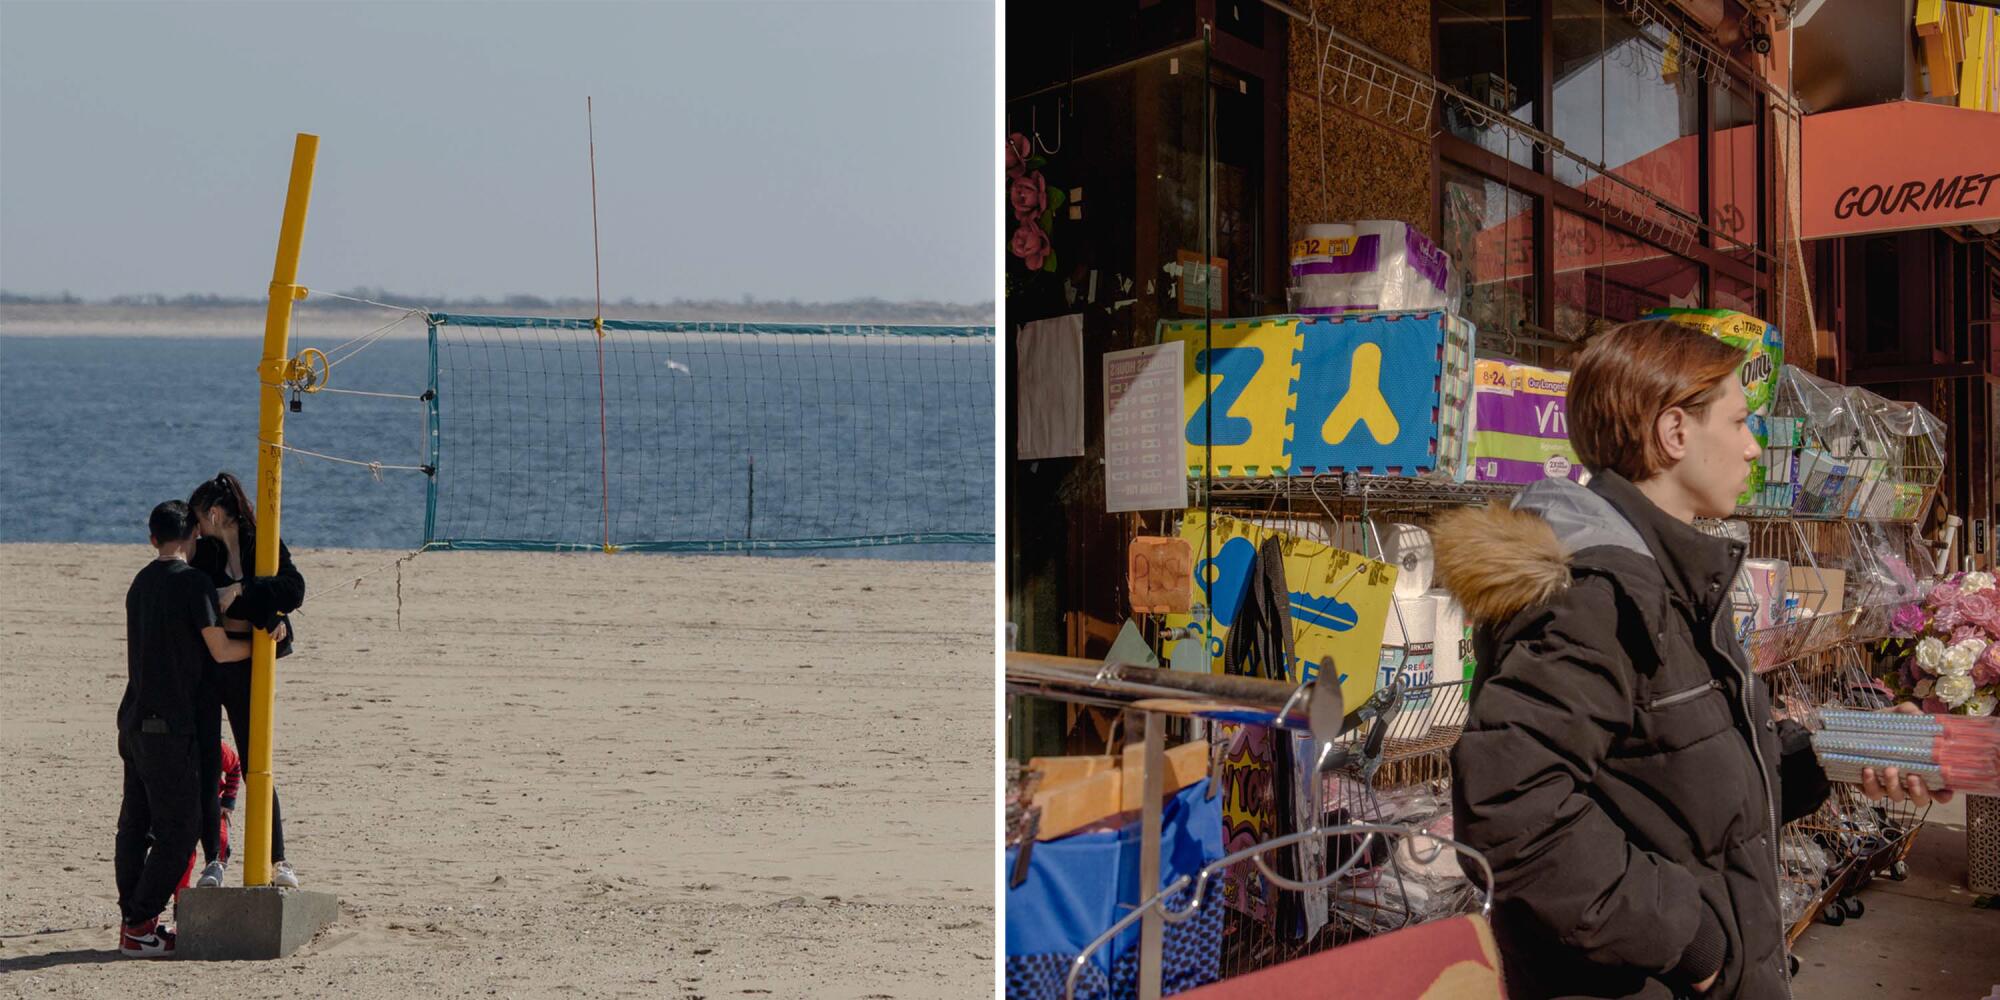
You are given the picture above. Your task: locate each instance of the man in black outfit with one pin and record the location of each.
(172, 630)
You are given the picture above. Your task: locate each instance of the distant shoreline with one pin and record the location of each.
(39, 319)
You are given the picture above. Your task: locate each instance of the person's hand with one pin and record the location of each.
(227, 595)
(1707, 984)
(278, 634)
(1899, 788)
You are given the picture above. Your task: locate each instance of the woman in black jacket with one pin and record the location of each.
(1622, 767)
(227, 552)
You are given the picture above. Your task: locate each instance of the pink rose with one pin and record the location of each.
(1982, 609)
(1935, 706)
(1976, 606)
(1947, 620)
(1987, 669)
(1031, 245)
(1907, 622)
(1029, 195)
(1943, 595)
(1964, 632)
(1017, 154)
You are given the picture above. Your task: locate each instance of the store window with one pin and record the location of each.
(1606, 276)
(1627, 97)
(1624, 99)
(1489, 229)
(1491, 51)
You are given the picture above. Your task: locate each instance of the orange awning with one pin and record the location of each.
(1900, 165)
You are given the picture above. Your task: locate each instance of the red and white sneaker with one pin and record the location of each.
(147, 940)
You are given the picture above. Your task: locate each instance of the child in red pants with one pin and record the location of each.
(232, 779)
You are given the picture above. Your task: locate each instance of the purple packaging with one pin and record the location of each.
(1520, 431)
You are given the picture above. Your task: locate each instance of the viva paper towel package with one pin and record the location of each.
(1764, 353)
(1374, 266)
(1520, 425)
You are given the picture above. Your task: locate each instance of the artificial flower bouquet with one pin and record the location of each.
(1951, 645)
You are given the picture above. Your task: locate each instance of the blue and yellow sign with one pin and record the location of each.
(1290, 395)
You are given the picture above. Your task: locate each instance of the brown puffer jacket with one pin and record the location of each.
(1620, 768)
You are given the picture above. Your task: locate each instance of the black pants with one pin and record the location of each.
(228, 689)
(158, 821)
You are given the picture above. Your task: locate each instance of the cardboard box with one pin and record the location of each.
(1822, 591)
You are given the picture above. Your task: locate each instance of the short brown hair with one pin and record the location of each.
(1630, 374)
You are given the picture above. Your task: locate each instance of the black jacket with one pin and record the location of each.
(1619, 767)
(264, 599)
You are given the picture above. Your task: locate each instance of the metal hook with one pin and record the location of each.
(1034, 125)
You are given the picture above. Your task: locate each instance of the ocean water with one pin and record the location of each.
(848, 437)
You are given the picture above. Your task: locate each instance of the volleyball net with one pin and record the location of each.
(706, 437)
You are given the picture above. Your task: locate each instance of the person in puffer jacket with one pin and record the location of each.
(1622, 767)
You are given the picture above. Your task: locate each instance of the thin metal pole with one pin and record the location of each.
(1152, 925)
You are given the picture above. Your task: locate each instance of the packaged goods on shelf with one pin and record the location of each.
(1520, 425)
(1369, 266)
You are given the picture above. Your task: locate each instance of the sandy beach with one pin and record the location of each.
(563, 775)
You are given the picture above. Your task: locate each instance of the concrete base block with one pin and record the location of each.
(249, 923)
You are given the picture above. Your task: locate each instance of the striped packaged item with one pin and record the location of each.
(1958, 752)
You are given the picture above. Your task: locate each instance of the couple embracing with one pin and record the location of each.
(189, 616)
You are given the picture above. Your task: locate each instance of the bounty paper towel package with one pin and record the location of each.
(1520, 427)
(1369, 267)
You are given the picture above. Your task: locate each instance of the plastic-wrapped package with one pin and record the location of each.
(1907, 444)
(1520, 425)
(1820, 449)
(1420, 879)
(1370, 266)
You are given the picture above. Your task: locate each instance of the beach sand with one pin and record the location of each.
(563, 775)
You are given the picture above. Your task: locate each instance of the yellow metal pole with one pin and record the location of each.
(270, 460)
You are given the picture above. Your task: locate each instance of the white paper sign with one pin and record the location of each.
(1145, 460)
(1049, 377)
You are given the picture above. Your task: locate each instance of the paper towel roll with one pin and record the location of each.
(1414, 622)
(1408, 548)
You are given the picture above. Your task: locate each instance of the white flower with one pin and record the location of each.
(1954, 690)
(1924, 687)
(1975, 582)
(1958, 660)
(1981, 704)
(1930, 652)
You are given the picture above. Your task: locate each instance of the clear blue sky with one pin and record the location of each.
(816, 150)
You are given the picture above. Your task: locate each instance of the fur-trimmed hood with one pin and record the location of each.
(1500, 560)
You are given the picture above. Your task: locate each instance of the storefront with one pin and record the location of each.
(1272, 269)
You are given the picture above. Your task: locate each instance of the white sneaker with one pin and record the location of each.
(283, 876)
(149, 940)
(211, 876)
